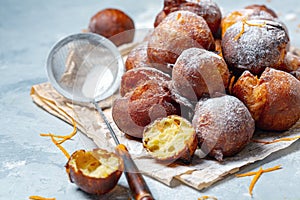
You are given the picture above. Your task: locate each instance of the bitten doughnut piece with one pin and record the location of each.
(113, 24)
(171, 138)
(138, 76)
(143, 105)
(260, 44)
(273, 99)
(180, 30)
(198, 72)
(223, 125)
(95, 172)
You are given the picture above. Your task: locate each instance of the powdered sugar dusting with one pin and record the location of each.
(223, 126)
(228, 113)
(257, 48)
(198, 72)
(175, 34)
(14, 164)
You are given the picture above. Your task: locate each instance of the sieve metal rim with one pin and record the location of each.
(101, 40)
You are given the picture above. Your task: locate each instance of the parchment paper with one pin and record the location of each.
(200, 174)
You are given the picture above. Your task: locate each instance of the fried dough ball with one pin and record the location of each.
(273, 99)
(173, 3)
(113, 24)
(137, 76)
(123, 120)
(291, 63)
(248, 13)
(159, 17)
(138, 57)
(207, 9)
(143, 105)
(264, 8)
(260, 44)
(171, 138)
(223, 125)
(180, 30)
(199, 72)
(96, 171)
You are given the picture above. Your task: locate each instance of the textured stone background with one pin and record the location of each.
(32, 165)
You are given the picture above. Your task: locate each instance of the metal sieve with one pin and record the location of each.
(86, 67)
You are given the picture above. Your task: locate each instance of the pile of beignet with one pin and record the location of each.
(215, 78)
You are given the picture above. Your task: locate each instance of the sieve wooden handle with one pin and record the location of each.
(137, 184)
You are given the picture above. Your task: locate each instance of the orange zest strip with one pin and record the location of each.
(240, 33)
(263, 171)
(40, 198)
(277, 140)
(61, 148)
(178, 16)
(259, 25)
(254, 180)
(52, 135)
(64, 138)
(205, 197)
(244, 21)
(256, 175)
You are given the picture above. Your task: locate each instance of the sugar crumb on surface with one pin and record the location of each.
(290, 17)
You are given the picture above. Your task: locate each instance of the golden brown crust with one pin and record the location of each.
(171, 138)
(273, 99)
(180, 30)
(291, 63)
(223, 125)
(135, 77)
(207, 9)
(143, 105)
(122, 118)
(90, 184)
(138, 57)
(150, 101)
(245, 53)
(111, 22)
(243, 89)
(199, 72)
(159, 17)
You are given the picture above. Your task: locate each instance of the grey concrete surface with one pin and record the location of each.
(31, 165)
